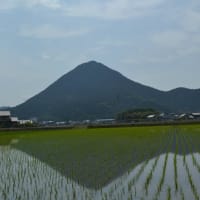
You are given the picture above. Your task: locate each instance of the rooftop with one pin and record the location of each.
(14, 119)
(196, 114)
(5, 114)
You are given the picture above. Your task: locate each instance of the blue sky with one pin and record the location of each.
(154, 42)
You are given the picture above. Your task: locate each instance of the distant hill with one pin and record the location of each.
(93, 90)
(4, 108)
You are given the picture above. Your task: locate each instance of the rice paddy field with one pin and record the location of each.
(158, 162)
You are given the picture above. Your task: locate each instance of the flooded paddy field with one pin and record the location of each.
(118, 163)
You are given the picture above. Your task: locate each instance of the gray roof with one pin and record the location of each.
(5, 114)
(196, 114)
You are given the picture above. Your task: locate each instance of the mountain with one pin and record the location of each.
(4, 108)
(93, 90)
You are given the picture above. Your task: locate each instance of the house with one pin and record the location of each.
(14, 121)
(151, 116)
(196, 115)
(5, 116)
(185, 116)
(104, 121)
(5, 119)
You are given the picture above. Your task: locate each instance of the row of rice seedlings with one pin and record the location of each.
(172, 145)
(169, 193)
(174, 132)
(165, 145)
(182, 194)
(150, 175)
(180, 143)
(184, 150)
(131, 189)
(175, 165)
(175, 172)
(176, 147)
(117, 187)
(139, 173)
(160, 185)
(186, 144)
(193, 187)
(162, 148)
(195, 163)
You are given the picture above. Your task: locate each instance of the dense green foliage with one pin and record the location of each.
(94, 157)
(92, 91)
(135, 114)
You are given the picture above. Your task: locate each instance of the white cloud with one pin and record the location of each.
(171, 39)
(182, 40)
(11, 4)
(50, 32)
(106, 9)
(191, 50)
(114, 43)
(191, 21)
(176, 44)
(45, 56)
(112, 9)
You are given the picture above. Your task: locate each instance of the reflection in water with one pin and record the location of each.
(168, 176)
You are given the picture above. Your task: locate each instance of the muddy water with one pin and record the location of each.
(164, 177)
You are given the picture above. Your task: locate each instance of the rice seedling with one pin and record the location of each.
(193, 187)
(182, 194)
(175, 172)
(195, 163)
(149, 177)
(163, 175)
(169, 193)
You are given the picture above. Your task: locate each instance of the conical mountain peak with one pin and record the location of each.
(93, 90)
(92, 66)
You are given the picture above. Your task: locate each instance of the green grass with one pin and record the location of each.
(95, 157)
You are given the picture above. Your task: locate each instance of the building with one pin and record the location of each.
(25, 122)
(6, 120)
(151, 117)
(104, 121)
(14, 121)
(5, 116)
(196, 115)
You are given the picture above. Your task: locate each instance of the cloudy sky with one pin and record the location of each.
(155, 42)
